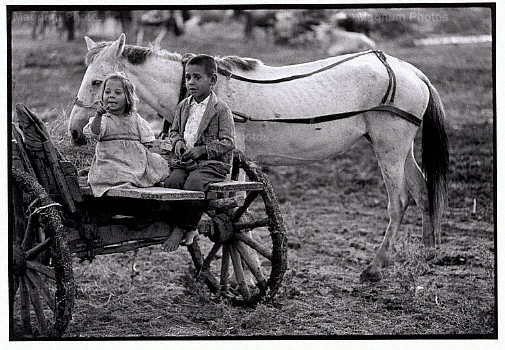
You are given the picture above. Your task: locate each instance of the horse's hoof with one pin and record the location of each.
(370, 276)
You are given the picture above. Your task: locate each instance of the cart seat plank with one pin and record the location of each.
(232, 186)
(157, 193)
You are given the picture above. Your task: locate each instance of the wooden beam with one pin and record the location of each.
(235, 186)
(157, 193)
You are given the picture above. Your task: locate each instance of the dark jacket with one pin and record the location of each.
(216, 131)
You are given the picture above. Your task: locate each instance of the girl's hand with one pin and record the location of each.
(101, 109)
(194, 153)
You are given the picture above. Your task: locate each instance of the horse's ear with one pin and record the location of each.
(89, 43)
(117, 46)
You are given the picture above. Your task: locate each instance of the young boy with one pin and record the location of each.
(202, 134)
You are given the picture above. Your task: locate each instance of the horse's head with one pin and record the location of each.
(102, 60)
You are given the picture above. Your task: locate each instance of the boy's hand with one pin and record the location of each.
(194, 153)
(179, 148)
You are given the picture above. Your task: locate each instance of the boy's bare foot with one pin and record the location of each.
(172, 242)
(189, 237)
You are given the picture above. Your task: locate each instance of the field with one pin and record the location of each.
(335, 212)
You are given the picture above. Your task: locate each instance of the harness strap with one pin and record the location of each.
(382, 58)
(230, 75)
(242, 118)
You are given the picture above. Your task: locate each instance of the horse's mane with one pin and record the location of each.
(137, 55)
(231, 62)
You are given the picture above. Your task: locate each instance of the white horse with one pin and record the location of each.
(304, 113)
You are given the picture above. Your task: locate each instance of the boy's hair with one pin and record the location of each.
(128, 88)
(206, 61)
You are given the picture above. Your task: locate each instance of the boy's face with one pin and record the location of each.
(198, 83)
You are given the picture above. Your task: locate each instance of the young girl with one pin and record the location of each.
(121, 158)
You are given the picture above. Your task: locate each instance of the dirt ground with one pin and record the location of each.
(335, 212)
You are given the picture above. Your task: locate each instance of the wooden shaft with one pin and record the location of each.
(239, 272)
(251, 242)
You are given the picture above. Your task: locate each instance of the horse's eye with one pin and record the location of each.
(96, 82)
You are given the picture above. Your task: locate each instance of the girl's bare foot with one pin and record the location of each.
(172, 242)
(189, 237)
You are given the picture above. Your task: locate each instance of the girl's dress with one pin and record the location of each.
(121, 158)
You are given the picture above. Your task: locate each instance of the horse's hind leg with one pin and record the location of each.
(391, 151)
(417, 187)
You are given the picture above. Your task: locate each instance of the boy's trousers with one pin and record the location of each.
(187, 214)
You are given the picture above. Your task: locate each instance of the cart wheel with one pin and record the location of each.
(249, 241)
(42, 287)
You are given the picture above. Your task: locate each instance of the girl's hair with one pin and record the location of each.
(128, 88)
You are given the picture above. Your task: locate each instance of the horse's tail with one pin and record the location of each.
(435, 155)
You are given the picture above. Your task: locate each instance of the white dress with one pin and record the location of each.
(121, 158)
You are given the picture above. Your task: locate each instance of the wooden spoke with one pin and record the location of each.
(250, 225)
(14, 290)
(211, 255)
(225, 268)
(239, 272)
(252, 264)
(39, 248)
(37, 266)
(251, 242)
(37, 306)
(25, 306)
(42, 287)
(28, 237)
(247, 202)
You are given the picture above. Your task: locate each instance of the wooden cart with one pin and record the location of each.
(54, 217)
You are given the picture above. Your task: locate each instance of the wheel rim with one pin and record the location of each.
(42, 287)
